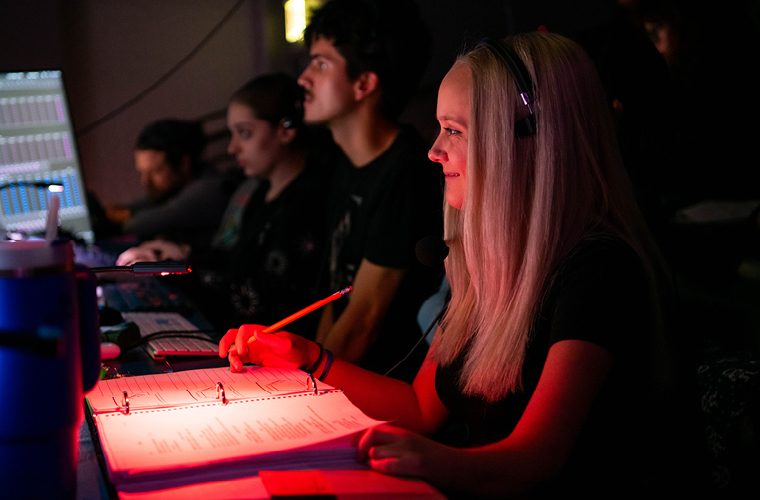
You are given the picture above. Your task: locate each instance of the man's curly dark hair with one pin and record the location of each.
(387, 37)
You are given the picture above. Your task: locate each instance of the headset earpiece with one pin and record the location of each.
(526, 126)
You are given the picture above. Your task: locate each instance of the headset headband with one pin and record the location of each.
(526, 126)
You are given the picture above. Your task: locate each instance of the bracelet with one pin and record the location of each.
(328, 364)
(313, 367)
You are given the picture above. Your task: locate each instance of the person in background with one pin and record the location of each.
(265, 256)
(367, 58)
(184, 197)
(550, 348)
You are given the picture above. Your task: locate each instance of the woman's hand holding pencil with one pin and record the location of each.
(282, 349)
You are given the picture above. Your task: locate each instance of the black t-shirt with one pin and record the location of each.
(271, 270)
(599, 294)
(379, 212)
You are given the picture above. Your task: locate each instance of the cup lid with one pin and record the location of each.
(22, 258)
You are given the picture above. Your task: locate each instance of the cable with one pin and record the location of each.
(139, 97)
(424, 335)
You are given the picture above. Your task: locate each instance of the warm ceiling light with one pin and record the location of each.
(297, 14)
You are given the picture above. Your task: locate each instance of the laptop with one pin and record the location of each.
(38, 157)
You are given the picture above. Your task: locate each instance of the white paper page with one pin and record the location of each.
(196, 386)
(153, 441)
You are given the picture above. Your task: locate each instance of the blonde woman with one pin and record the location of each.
(545, 350)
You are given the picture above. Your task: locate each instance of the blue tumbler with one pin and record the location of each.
(49, 356)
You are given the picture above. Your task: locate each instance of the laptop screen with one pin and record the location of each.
(37, 149)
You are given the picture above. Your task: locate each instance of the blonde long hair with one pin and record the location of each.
(528, 202)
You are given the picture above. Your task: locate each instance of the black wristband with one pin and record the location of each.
(328, 364)
(319, 359)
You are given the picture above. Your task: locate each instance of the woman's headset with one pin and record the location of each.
(523, 128)
(526, 126)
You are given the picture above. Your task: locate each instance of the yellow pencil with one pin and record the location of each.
(303, 312)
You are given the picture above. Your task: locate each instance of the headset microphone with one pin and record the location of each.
(431, 251)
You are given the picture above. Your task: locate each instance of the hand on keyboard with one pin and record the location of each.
(154, 250)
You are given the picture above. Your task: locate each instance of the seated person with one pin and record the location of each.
(547, 350)
(367, 58)
(265, 258)
(184, 197)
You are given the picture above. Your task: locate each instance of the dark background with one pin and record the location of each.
(112, 50)
(688, 134)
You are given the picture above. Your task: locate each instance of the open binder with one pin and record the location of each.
(166, 430)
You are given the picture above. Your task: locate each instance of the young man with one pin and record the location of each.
(184, 197)
(367, 58)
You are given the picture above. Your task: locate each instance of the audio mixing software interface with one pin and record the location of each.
(38, 156)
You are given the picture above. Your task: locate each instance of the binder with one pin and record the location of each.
(174, 429)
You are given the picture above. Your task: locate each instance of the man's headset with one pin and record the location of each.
(526, 126)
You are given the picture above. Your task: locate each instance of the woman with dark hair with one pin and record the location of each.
(548, 349)
(266, 252)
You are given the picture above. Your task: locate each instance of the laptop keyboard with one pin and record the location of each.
(153, 322)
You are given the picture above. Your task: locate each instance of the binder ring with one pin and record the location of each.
(311, 383)
(220, 392)
(125, 402)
